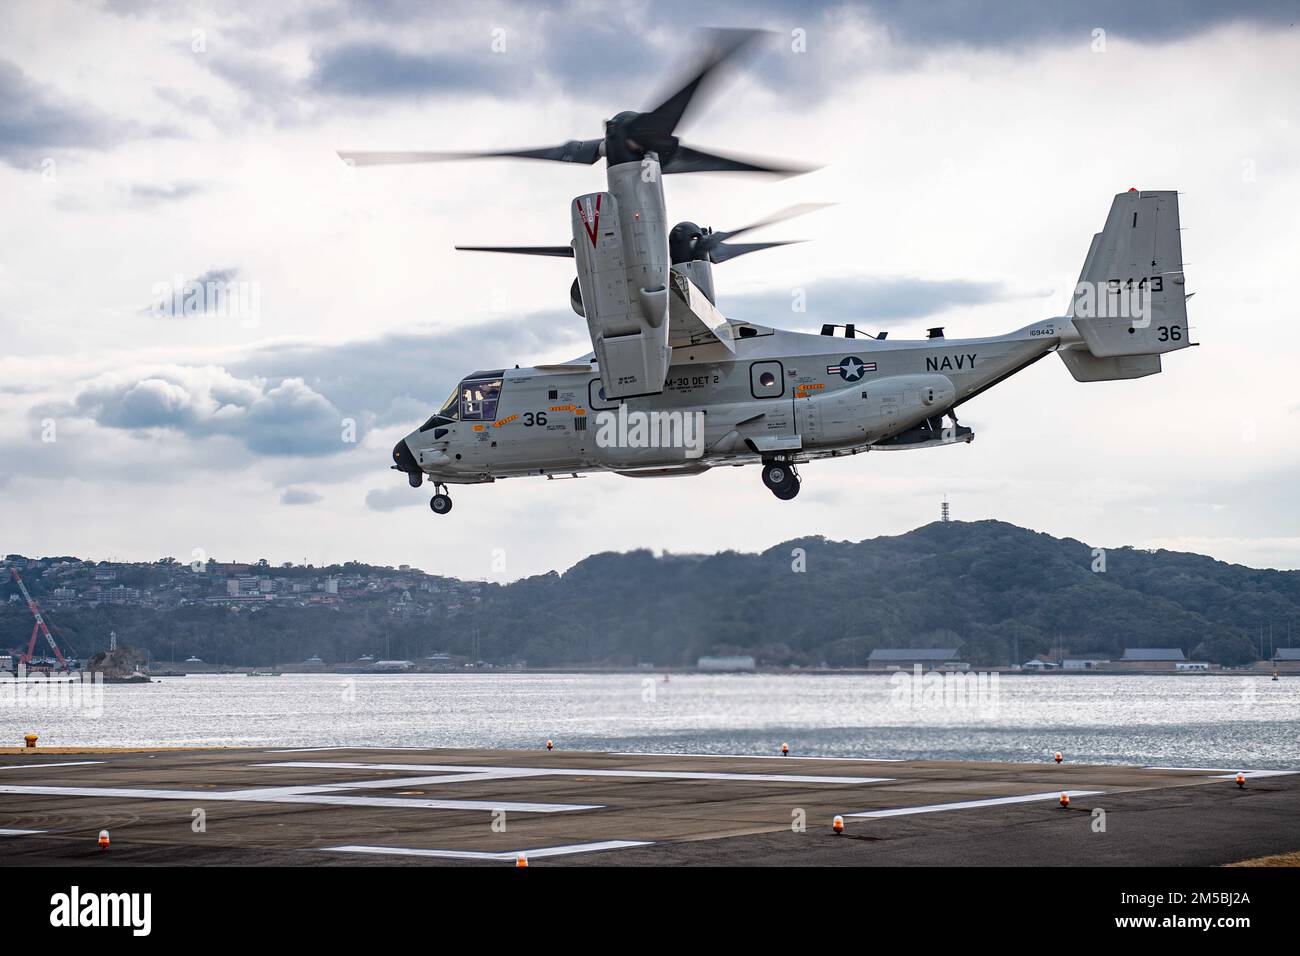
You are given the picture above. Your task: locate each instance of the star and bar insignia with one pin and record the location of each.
(851, 369)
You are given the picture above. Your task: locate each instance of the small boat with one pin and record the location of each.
(263, 673)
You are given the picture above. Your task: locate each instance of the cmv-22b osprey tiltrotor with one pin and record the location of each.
(673, 387)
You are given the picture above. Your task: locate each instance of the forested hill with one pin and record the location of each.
(995, 590)
(1000, 593)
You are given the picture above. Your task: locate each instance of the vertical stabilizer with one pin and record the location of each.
(1130, 298)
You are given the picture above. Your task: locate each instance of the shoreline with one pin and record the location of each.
(288, 671)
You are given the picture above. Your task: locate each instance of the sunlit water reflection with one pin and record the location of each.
(1200, 720)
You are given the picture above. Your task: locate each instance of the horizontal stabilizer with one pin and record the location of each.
(1086, 367)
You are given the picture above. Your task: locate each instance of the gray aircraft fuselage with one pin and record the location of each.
(781, 395)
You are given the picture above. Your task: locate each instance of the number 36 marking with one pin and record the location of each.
(531, 418)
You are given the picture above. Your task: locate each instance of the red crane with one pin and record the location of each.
(39, 627)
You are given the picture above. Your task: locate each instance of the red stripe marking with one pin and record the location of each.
(593, 227)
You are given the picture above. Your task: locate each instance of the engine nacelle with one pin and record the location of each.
(621, 253)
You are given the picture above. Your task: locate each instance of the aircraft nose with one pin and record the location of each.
(403, 459)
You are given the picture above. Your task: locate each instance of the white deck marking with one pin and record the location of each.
(61, 763)
(671, 753)
(334, 793)
(409, 802)
(4, 832)
(297, 795)
(484, 855)
(1221, 772)
(1252, 774)
(505, 773)
(385, 783)
(967, 804)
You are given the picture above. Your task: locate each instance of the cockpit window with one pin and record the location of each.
(474, 400)
(448, 413)
(478, 400)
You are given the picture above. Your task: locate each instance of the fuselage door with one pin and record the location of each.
(473, 433)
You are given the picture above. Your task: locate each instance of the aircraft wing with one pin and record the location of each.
(692, 318)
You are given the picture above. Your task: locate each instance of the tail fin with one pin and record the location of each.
(1129, 305)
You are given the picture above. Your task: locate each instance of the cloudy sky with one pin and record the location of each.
(971, 151)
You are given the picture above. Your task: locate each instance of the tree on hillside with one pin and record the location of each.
(1230, 650)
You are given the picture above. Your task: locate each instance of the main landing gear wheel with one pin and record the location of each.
(788, 491)
(441, 502)
(781, 479)
(778, 474)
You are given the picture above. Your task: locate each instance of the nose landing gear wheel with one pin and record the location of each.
(788, 491)
(441, 502)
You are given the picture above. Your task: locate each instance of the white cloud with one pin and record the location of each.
(299, 496)
(287, 418)
(973, 168)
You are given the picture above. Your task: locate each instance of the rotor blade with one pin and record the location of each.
(715, 239)
(659, 123)
(729, 250)
(585, 151)
(688, 160)
(560, 251)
